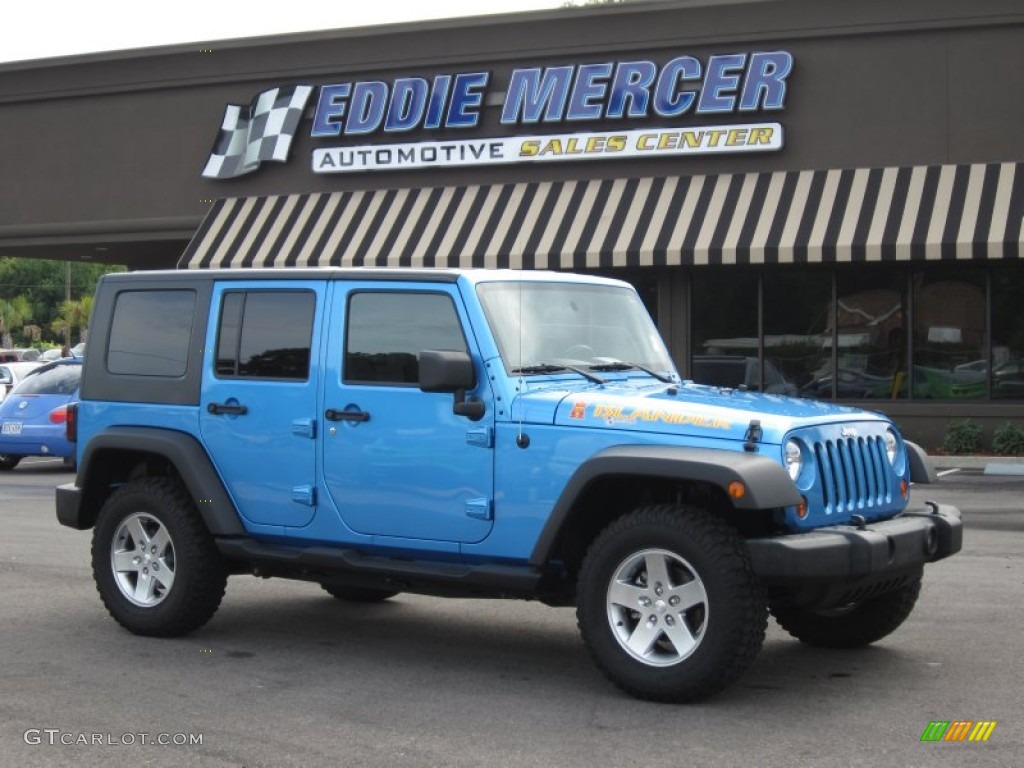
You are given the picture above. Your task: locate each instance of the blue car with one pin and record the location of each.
(33, 416)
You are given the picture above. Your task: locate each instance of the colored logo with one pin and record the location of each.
(579, 411)
(958, 730)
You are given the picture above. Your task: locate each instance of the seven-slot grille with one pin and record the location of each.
(854, 473)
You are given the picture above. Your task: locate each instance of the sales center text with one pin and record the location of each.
(628, 90)
(553, 147)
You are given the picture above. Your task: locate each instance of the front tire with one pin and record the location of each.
(156, 567)
(8, 461)
(850, 626)
(668, 604)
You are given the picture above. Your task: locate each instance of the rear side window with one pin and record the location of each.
(59, 380)
(265, 334)
(388, 330)
(150, 333)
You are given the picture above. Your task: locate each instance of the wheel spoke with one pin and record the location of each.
(165, 576)
(626, 595)
(137, 532)
(657, 570)
(160, 540)
(124, 561)
(690, 595)
(682, 639)
(644, 636)
(143, 589)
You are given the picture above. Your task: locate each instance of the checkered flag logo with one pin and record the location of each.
(261, 131)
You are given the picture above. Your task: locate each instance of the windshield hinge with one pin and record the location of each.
(480, 437)
(753, 436)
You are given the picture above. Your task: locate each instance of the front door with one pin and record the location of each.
(398, 463)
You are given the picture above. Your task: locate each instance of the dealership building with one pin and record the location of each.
(814, 197)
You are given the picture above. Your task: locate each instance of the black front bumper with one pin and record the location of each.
(847, 557)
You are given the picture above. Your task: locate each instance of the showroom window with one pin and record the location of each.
(1007, 358)
(724, 330)
(949, 334)
(871, 345)
(861, 332)
(798, 333)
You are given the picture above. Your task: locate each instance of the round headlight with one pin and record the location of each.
(794, 458)
(891, 444)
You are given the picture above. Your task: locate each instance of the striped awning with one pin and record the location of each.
(946, 212)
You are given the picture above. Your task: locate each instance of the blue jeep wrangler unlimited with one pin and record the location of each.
(484, 434)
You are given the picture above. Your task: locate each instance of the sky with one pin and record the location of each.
(39, 29)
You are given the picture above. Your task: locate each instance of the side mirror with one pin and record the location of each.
(450, 371)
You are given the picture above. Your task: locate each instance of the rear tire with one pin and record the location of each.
(668, 604)
(358, 594)
(8, 461)
(852, 626)
(156, 567)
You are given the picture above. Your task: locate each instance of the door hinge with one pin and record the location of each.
(304, 494)
(480, 509)
(304, 428)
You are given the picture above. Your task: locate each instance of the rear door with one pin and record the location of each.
(258, 408)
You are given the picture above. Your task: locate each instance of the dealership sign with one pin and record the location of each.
(648, 100)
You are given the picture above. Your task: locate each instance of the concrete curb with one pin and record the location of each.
(1011, 464)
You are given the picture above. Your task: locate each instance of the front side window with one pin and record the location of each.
(150, 333)
(265, 334)
(387, 330)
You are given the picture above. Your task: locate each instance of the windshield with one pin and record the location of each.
(548, 324)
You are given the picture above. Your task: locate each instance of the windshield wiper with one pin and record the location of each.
(551, 368)
(619, 365)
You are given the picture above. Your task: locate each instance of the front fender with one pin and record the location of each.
(768, 485)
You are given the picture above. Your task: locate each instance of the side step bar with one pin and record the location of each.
(351, 566)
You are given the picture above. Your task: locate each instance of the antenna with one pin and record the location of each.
(521, 439)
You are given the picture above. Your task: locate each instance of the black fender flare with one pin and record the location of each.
(194, 465)
(922, 471)
(767, 484)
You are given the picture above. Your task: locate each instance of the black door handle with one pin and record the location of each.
(332, 415)
(233, 410)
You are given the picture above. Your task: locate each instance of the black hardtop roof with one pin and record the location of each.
(291, 273)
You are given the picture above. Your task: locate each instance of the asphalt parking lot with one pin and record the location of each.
(286, 676)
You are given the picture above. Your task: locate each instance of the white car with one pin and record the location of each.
(12, 373)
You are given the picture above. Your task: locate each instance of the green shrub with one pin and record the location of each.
(1008, 440)
(962, 437)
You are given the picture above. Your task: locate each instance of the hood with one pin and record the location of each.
(638, 405)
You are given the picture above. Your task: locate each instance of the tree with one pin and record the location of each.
(43, 284)
(13, 313)
(73, 314)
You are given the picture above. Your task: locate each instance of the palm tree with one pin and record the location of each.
(13, 312)
(73, 314)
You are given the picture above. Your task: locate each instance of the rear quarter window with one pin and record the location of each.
(150, 333)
